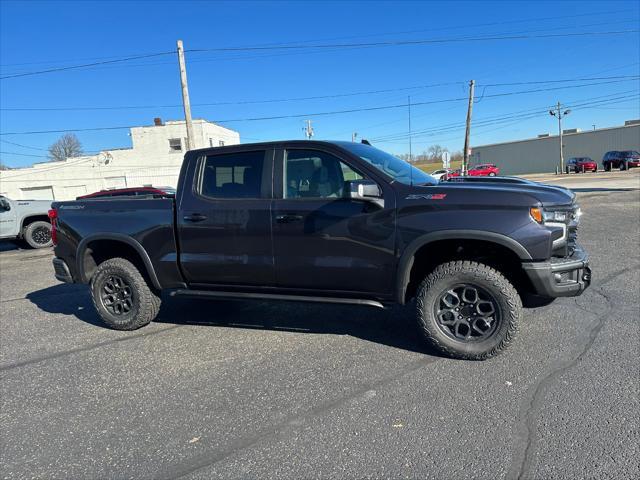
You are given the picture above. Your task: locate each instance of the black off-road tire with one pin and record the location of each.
(623, 166)
(38, 234)
(143, 301)
(451, 275)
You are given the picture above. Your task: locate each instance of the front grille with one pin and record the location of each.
(572, 238)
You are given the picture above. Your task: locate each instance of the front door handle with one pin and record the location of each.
(194, 217)
(288, 218)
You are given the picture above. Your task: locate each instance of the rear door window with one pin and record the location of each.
(233, 175)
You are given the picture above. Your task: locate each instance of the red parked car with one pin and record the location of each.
(131, 192)
(621, 160)
(582, 164)
(482, 170)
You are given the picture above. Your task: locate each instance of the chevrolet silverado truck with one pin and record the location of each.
(336, 222)
(25, 220)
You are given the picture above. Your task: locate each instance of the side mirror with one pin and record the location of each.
(5, 206)
(364, 190)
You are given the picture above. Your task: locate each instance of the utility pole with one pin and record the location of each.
(354, 135)
(308, 130)
(185, 98)
(467, 133)
(410, 147)
(559, 114)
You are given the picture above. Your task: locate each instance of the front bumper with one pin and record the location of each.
(61, 270)
(560, 277)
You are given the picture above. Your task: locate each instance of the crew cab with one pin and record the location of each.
(581, 165)
(25, 220)
(336, 222)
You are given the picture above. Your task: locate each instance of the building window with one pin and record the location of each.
(211, 142)
(175, 144)
(221, 143)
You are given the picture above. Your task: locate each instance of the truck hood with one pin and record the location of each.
(498, 187)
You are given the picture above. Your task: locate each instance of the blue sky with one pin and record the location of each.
(42, 35)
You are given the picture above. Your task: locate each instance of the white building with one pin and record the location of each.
(542, 154)
(154, 159)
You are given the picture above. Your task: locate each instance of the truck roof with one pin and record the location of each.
(275, 143)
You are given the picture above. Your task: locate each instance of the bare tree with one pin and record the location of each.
(68, 146)
(3, 166)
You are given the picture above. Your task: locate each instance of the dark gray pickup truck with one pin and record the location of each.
(334, 222)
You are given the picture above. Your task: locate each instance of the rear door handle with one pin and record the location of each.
(288, 218)
(194, 217)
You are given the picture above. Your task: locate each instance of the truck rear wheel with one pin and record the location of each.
(468, 310)
(38, 234)
(122, 296)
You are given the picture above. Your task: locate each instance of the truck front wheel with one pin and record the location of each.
(122, 296)
(468, 310)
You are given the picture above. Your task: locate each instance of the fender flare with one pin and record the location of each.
(119, 237)
(406, 260)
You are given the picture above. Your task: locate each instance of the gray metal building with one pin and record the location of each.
(542, 154)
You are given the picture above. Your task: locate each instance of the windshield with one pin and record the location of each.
(392, 166)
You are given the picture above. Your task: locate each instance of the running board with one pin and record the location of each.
(274, 296)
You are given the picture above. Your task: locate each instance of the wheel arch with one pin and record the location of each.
(453, 239)
(29, 219)
(96, 248)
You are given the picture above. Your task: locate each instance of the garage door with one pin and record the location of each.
(37, 193)
(74, 191)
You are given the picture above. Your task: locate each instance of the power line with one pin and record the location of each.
(316, 97)
(506, 118)
(23, 154)
(334, 112)
(330, 46)
(86, 65)
(411, 42)
(447, 28)
(23, 146)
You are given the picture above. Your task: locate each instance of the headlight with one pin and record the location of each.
(541, 215)
(555, 216)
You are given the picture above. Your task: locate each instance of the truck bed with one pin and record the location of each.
(144, 223)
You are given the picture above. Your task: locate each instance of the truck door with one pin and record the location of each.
(8, 218)
(322, 238)
(224, 220)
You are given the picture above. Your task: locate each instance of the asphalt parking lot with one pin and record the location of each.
(272, 390)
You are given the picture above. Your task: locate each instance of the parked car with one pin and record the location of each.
(482, 170)
(335, 222)
(441, 174)
(26, 220)
(129, 192)
(581, 164)
(622, 160)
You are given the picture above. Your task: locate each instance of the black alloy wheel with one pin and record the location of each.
(117, 296)
(467, 313)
